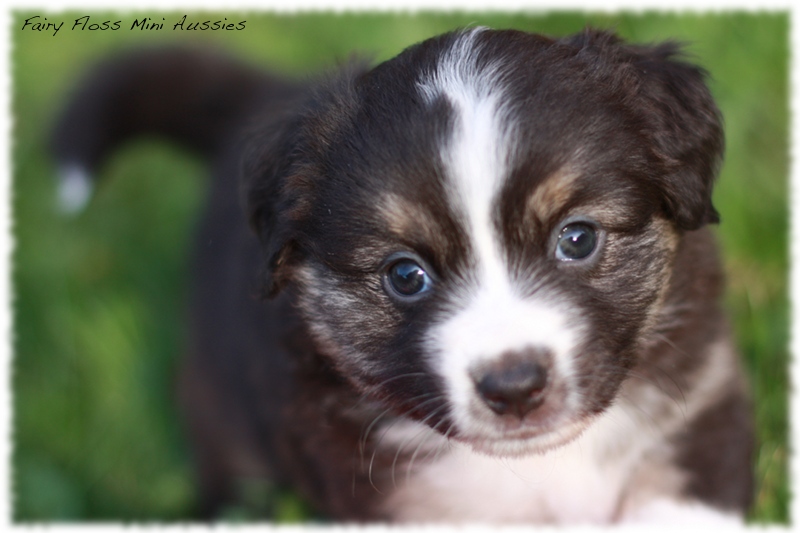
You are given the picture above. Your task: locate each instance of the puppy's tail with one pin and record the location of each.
(197, 98)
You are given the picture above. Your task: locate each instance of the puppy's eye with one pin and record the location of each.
(576, 241)
(407, 278)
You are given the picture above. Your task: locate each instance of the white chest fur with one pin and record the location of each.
(582, 482)
(561, 487)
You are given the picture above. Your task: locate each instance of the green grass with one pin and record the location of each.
(99, 307)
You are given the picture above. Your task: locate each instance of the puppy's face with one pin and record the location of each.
(480, 232)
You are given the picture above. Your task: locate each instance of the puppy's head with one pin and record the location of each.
(480, 231)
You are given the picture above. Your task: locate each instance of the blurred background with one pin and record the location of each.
(99, 297)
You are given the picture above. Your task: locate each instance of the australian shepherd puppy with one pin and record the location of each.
(487, 288)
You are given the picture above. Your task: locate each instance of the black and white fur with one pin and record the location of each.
(518, 384)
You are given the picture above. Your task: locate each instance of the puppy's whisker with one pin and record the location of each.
(375, 448)
(402, 403)
(666, 373)
(445, 443)
(400, 376)
(371, 389)
(631, 402)
(407, 440)
(386, 430)
(362, 441)
(366, 433)
(648, 417)
(428, 436)
(632, 373)
(680, 403)
(366, 397)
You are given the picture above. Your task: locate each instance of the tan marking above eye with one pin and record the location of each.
(549, 199)
(552, 194)
(396, 212)
(404, 217)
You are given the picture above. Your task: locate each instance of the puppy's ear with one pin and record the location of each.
(679, 115)
(686, 127)
(283, 163)
(271, 198)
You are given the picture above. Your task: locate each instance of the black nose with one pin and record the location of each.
(514, 386)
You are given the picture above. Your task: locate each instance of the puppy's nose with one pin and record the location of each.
(515, 385)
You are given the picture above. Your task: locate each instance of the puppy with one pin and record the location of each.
(489, 292)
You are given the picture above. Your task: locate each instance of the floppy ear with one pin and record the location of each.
(283, 162)
(271, 197)
(687, 129)
(679, 114)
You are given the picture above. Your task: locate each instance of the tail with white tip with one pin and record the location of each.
(195, 98)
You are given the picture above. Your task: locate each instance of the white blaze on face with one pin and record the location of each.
(493, 317)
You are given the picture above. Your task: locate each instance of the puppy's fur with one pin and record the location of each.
(510, 382)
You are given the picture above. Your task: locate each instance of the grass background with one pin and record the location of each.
(99, 298)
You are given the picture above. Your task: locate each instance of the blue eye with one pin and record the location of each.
(576, 241)
(407, 278)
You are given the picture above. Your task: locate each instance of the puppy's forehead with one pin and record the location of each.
(513, 148)
(478, 154)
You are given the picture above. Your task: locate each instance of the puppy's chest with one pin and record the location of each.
(466, 487)
(583, 482)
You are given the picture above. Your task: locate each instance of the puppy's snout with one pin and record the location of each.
(515, 384)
